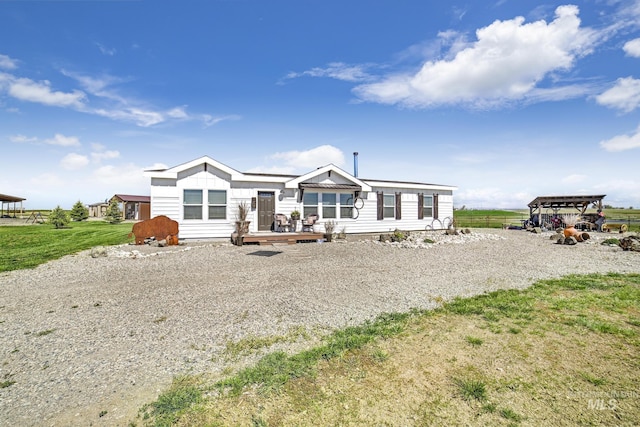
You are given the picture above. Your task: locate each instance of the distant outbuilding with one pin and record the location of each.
(134, 207)
(555, 203)
(7, 200)
(98, 210)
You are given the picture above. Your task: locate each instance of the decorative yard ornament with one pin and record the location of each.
(160, 227)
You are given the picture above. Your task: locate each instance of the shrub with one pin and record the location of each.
(59, 217)
(399, 236)
(243, 211)
(330, 226)
(113, 214)
(611, 241)
(79, 212)
(571, 219)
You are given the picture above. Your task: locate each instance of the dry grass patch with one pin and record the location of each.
(564, 352)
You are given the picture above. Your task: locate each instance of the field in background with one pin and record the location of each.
(27, 246)
(476, 218)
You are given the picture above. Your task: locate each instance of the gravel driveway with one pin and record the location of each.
(89, 340)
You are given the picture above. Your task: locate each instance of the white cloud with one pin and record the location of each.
(98, 98)
(122, 178)
(28, 90)
(491, 197)
(336, 70)
(574, 179)
(127, 109)
(8, 63)
(209, 120)
(105, 50)
(622, 142)
(63, 141)
(632, 48)
(100, 153)
(619, 185)
(47, 179)
(21, 139)
(74, 161)
(178, 113)
(99, 156)
(311, 159)
(143, 118)
(156, 166)
(624, 95)
(621, 192)
(505, 64)
(98, 86)
(277, 170)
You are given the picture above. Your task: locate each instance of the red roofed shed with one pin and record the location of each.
(134, 207)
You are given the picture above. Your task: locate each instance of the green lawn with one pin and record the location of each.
(477, 218)
(31, 245)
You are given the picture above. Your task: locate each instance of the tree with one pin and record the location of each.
(79, 212)
(59, 217)
(113, 214)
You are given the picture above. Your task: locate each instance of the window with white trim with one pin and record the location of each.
(217, 204)
(192, 204)
(328, 205)
(310, 204)
(346, 205)
(389, 207)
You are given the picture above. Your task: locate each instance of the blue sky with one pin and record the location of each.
(507, 100)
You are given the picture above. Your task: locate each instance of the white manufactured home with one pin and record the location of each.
(203, 196)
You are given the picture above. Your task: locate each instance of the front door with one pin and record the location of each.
(266, 209)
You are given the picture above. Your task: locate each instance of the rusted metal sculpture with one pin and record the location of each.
(160, 227)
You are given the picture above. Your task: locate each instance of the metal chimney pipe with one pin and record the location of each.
(355, 164)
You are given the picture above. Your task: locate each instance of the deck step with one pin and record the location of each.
(281, 238)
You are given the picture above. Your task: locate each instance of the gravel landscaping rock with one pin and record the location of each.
(89, 338)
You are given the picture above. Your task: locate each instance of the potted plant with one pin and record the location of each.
(242, 225)
(295, 217)
(570, 231)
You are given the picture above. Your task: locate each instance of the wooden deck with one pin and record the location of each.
(269, 238)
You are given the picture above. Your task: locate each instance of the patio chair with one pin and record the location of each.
(308, 222)
(281, 223)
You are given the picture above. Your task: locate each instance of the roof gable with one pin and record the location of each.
(351, 181)
(175, 171)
